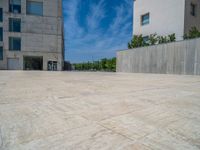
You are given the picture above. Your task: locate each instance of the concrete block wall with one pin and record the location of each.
(181, 57)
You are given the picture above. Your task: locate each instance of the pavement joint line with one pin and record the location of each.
(98, 123)
(117, 115)
(116, 132)
(51, 135)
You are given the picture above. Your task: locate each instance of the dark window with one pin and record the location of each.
(193, 9)
(1, 53)
(145, 19)
(14, 25)
(14, 44)
(1, 14)
(34, 8)
(1, 34)
(145, 39)
(33, 63)
(15, 6)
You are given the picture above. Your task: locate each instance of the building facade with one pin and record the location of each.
(31, 35)
(165, 17)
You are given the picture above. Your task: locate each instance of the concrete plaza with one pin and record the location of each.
(98, 111)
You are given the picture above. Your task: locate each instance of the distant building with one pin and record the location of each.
(165, 17)
(31, 35)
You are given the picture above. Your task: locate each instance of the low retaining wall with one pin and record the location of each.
(181, 57)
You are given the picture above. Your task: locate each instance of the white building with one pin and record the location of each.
(165, 17)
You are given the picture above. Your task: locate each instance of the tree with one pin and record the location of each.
(137, 41)
(113, 64)
(102, 65)
(153, 39)
(162, 39)
(193, 33)
(172, 37)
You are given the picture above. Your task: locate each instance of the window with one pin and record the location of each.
(14, 44)
(34, 8)
(1, 34)
(15, 6)
(1, 53)
(14, 25)
(193, 9)
(145, 19)
(146, 39)
(1, 14)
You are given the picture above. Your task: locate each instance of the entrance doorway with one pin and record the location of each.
(33, 63)
(52, 65)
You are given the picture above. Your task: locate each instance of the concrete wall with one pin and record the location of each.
(181, 57)
(166, 17)
(191, 21)
(40, 35)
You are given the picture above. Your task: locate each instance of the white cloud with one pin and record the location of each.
(97, 13)
(93, 42)
(71, 24)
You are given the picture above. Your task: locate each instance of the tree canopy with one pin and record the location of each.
(104, 64)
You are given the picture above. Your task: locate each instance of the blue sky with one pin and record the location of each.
(95, 29)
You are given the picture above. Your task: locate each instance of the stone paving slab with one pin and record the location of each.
(98, 111)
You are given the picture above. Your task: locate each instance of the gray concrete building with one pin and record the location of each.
(165, 17)
(31, 35)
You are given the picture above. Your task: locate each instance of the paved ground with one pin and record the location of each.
(98, 111)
